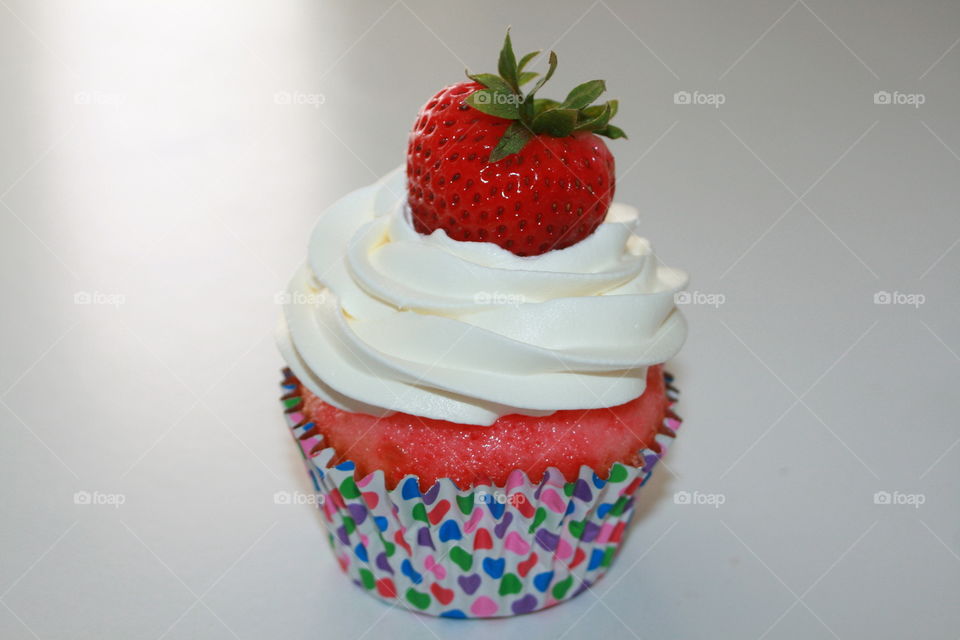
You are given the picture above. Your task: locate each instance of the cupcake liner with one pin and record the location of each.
(473, 553)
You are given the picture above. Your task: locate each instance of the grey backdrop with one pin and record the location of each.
(162, 164)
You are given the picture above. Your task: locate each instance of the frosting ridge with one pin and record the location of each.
(381, 318)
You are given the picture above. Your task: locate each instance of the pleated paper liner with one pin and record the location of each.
(474, 553)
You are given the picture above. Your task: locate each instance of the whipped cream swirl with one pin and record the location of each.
(383, 319)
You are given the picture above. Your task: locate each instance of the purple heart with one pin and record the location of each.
(342, 534)
(583, 587)
(383, 563)
(650, 461)
(547, 540)
(501, 529)
(358, 512)
(590, 531)
(424, 539)
(469, 583)
(431, 493)
(526, 604)
(581, 491)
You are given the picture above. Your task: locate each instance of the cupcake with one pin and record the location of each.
(475, 349)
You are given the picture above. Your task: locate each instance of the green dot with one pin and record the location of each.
(466, 504)
(348, 489)
(510, 583)
(349, 525)
(463, 559)
(560, 589)
(538, 518)
(618, 473)
(367, 578)
(576, 528)
(608, 556)
(420, 512)
(417, 599)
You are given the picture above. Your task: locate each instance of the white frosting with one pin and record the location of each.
(383, 319)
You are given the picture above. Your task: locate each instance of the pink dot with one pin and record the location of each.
(308, 445)
(483, 607)
(517, 544)
(329, 508)
(552, 499)
(474, 520)
(605, 532)
(514, 480)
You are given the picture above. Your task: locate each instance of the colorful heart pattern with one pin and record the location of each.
(448, 553)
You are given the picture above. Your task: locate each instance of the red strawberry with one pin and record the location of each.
(486, 163)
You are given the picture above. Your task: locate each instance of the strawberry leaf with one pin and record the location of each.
(514, 139)
(582, 95)
(525, 60)
(542, 104)
(593, 111)
(495, 103)
(507, 65)
(556, 122)
(611, 132)
(614, 105)
(501, 97)
(551, 67)
(491, 81)
(526, 76)
(595, 120)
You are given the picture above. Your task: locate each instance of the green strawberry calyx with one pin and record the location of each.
(502, 97)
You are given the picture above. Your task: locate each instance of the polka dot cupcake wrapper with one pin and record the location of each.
(478, 553)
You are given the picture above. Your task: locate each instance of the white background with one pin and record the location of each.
(145, 160)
